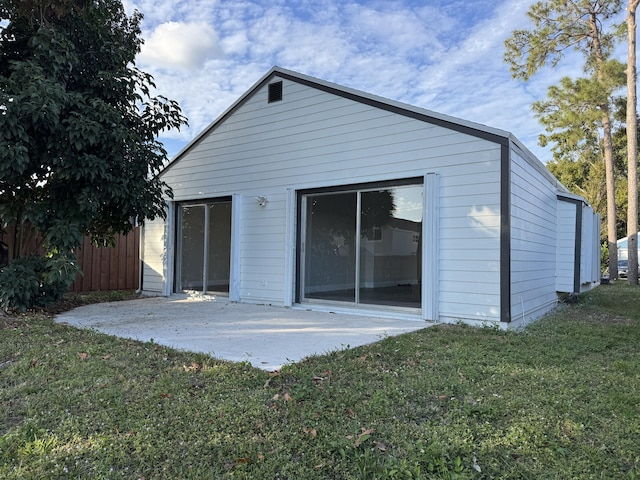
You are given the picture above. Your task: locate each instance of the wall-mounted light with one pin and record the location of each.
(262, 200)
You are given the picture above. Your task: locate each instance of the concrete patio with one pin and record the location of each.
(266, 336)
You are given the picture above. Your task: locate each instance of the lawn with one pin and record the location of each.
(558, 400)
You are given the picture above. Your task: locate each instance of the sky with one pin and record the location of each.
(442, 55)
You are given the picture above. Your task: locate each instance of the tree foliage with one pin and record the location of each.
(78, 122)
(571, 114)
(559, 25)
(584, 175)
(587, 27)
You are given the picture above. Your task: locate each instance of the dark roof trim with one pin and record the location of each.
(391, 107)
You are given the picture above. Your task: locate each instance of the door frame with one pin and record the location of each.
(177, 234)
(357, 188)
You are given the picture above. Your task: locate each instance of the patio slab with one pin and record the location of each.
(266, 336)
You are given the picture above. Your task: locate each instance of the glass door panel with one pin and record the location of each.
(364, 246)
(192, 247)
(330, 247)
(204, 246)
(390, 246)
(219, 251)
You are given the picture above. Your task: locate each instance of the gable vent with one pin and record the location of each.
(275, 92)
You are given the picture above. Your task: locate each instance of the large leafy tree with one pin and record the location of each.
(78, 122)
(582, 25)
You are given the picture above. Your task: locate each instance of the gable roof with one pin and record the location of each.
(484, 132)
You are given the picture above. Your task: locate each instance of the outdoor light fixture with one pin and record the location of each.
(262, 200)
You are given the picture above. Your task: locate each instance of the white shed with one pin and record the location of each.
(307, 194)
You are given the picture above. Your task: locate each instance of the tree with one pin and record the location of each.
(573, 122)
(560, 25)
(571, 112)
(578, 164)
(78, 124)
(632, 146)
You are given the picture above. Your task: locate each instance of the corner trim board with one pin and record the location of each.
(505, 233)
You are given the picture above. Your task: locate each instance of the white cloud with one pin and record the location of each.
(445, 56)
(180, 45)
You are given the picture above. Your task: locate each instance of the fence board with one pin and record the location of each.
(108, 268)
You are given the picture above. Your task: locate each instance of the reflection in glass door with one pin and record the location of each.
(390, 246)
(204, 246)
(191, 239)
(330, 259)
(364, 246)
(219, 248)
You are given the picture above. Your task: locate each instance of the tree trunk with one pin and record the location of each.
(612, 236)
(611, 195)
(632, 147)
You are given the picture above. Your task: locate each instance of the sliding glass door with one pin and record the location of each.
(191, 239)
(204, 246)
(363, 246)
(330, 251)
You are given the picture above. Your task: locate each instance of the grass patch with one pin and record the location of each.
(560, 399)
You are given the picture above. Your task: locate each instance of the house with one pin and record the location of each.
(623, 248)
(307, 194)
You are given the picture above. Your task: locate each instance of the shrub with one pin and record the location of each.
(34, 281)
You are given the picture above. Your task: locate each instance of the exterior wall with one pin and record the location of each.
(533, 241)
(314, 139)
(154, 257)
(590, 249)
(623, 248)
(578, 248)
(566, 247)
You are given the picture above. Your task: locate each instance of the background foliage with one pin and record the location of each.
(78, 122)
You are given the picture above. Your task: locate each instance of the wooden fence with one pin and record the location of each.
(108, 268)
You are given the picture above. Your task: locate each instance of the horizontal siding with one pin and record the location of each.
(315, 139)
(533, 241)
(590, 249)
(335, 167)
(154, 256)
(565, 259)
(262, 250)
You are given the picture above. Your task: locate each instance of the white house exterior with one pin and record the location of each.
(309, 194)
(623, 248)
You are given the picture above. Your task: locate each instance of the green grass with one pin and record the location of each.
(558, 400)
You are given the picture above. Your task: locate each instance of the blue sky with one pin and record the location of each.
(442, 55)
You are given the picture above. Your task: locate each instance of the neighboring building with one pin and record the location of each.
(623, 248)
(309, 194)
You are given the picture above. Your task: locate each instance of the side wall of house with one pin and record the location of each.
(314, 139)
(566, 247)
(578, 248)
(590, 251)
(533, 240)
(154, 257)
